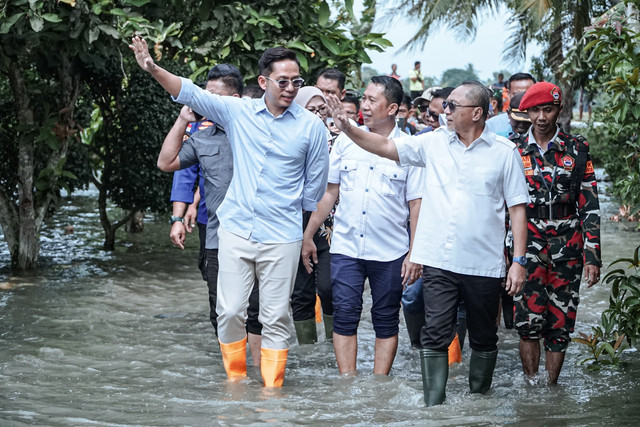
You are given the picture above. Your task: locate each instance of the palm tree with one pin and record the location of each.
(557, 24)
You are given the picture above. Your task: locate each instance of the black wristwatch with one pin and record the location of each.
(176, 219)
(522, 260)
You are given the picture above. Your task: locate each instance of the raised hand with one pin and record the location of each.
(139, 47)
(338, 113)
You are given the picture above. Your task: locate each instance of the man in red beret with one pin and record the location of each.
(564, 231)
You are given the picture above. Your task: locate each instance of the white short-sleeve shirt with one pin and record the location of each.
(371, 218)
(461, 227)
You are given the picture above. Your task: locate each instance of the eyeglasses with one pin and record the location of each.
(452, 105)
(425, 109)
(284, 83)
(316, 110)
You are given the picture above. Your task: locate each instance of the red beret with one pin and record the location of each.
(539, 94)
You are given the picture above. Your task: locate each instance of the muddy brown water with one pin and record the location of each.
(123, 339)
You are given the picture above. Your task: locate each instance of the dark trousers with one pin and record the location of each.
(211, 269)
(442, 292)
(347, 278)
(303, 298)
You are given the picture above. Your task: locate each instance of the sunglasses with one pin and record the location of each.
(452, 106)
(425, 109)
(284, 83)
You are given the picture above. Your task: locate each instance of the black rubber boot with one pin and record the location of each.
(414, 322)
(481, 369)
(435, 372)
(306, 331)
(328, 327)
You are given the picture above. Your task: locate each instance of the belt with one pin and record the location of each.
(559, 211)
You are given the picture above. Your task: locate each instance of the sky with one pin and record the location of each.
(443, 50)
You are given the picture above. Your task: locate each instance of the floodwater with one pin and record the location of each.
(123, 339)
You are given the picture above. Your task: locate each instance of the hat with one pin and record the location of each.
(306, 93)
(427, 95)
(539, 94)
(514, 112)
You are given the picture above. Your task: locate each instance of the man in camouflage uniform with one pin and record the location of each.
(564, 231)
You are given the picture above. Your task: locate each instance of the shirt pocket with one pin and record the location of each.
(392, 181)
(209, 156)
(438, 172)
(485, 181)
(348, 170)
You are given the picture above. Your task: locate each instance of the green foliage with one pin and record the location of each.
(613, 51)
(454, 76)
(620, 322)
(251, 27)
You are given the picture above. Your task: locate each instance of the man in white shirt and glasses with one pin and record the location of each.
(469, 175)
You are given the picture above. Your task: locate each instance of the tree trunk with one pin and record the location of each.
(136, 224)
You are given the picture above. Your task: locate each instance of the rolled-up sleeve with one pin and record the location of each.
(316, 169)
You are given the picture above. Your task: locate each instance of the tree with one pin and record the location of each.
(55, 54)
(558, 25)
(454, 76)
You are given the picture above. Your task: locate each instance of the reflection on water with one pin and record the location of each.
(123, 338)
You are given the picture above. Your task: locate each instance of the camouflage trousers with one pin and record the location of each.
(546, 308)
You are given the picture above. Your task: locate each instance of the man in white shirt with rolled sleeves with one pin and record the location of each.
(370, 238)
(470, 174)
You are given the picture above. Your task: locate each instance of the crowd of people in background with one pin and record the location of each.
(450, 202)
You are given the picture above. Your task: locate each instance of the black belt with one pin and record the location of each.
(559, 211)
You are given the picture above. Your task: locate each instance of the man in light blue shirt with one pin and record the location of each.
(518, 83)
(280, 163)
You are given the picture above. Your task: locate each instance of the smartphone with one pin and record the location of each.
(401, 122)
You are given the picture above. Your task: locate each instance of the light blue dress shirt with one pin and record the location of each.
(280, 164)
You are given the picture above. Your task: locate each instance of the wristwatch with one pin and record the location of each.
(522, 260)
(176, 219)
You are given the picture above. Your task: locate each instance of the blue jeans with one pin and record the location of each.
(347, 279)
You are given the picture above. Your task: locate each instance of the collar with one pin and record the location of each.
(294, 109)
(395, 132)
(555, 142)
(485, 136)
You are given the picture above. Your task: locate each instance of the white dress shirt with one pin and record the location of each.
(371, 218)
(461, 227)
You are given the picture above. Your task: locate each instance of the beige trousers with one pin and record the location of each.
(241, 262)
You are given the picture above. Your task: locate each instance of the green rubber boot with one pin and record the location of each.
(414, 322)
(481, 369)
(328, 327)
(435, 372)
(306, 331)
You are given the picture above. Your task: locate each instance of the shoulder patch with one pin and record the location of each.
(589, 168)
(526, 162)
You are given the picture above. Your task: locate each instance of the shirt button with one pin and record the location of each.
(395, 175)
(345, 168)
(364, 212)
(366, 190)
(362, 235)
(371, 167)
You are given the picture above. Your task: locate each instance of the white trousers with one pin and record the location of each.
(241, 261)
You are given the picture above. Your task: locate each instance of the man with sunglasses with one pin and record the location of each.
(469, 175)
(564, 231)
(280, 165)
(430, 107)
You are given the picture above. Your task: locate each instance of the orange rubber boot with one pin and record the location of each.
(455, 354)
(272, 364)
(318, 310)
(234, 358)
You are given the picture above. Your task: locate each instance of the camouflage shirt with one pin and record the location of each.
(549, 180)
